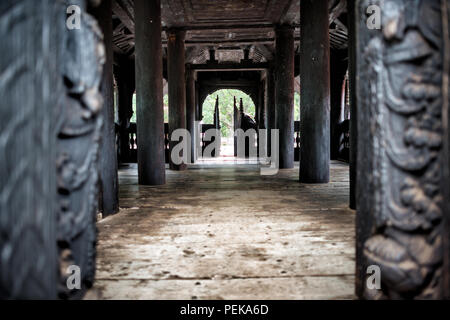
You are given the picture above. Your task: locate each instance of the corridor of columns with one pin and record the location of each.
(334, 183)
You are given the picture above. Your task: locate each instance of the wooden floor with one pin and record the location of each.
(225, 232)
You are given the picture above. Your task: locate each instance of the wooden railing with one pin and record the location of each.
(132, 143)
(344, 140)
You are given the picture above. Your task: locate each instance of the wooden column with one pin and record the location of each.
(284, 93)
(314, 92)
(271, 110)
(149, 89)
(445, 179)
(338, 69)
(50, 130)
(190, 109)
(28, 150)
(109, 192)
(353, 103)
(402, 73)
(125, 79)
(177, 85)
(262, 117)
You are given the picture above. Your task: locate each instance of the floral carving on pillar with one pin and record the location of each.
(403, 96)
(78, 144)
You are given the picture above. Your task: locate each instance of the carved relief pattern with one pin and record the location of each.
(404, 99)
(29, 85)
(78, 145)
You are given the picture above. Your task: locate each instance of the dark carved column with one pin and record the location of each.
(190, 109)
(149, 90)
(314, 92)
(28, 130)
(49, 141)
(445, 181)
(353, 103)
(271, 110)
(79, 138)
(284, 93)
(109, 194)
(400, 196)
(177, 86)
(125, 79)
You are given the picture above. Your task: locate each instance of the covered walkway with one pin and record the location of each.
(222, 231)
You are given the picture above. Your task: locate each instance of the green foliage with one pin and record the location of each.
(226, 98)
(133, 117)
(296, 107)
(166, 108)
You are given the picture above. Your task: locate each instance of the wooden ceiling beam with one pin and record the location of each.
(244, 26)
(244, 66)
(235, 42)
(124, 15)
(339, 9)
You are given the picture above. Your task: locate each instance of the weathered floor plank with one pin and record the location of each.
(225, 232)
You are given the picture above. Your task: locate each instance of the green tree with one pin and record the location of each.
(296, 107)
(226, 99)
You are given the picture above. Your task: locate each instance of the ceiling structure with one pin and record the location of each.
(228, 26)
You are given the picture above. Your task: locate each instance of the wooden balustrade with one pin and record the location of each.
(132, 142)
(344, 144)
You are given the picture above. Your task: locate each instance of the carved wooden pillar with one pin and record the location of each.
(314, 92)
(109, 195)
(177, 86)
(79, 138)
(190, 109)
(50, 126)
(284, 93)
(149, 90)
(353, 102)
(445, 180)
(28, 131)
(446, 158)
(402, 90)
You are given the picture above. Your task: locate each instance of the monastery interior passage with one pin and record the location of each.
(228, 149)
(227, 233)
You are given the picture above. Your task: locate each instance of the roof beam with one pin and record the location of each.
(124, 16)
(244, 66)
(235, 42)
(244, 26)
